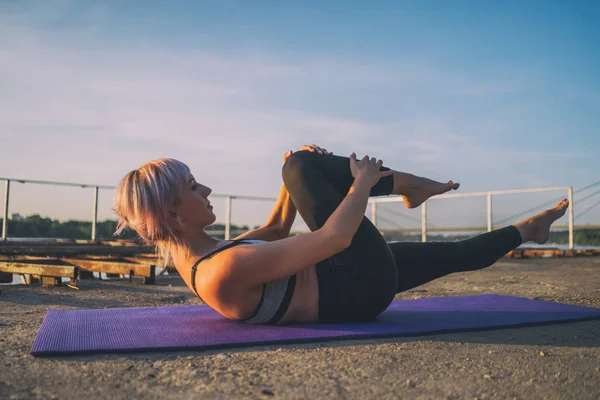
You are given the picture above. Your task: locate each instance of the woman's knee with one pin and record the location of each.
(383, 300)
(297, 163)
(371, 307)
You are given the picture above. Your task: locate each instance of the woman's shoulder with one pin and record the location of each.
(213, 264)
(214, 287)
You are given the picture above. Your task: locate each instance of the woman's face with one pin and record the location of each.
(194, 207)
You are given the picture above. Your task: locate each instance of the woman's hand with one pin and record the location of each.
(367, 169)
(312, 148)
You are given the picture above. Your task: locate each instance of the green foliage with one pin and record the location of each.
(588, 237)
(36, 226)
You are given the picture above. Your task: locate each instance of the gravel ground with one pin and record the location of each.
(559, 361)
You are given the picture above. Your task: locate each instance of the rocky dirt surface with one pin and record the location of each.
(560, 361)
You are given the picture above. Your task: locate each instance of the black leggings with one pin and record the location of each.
(360, 282)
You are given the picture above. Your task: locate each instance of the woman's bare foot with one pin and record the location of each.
(537, 228)
(414, 197)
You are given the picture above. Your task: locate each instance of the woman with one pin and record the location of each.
(343, 270)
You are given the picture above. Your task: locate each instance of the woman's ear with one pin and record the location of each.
(175, 219)
(179, 219)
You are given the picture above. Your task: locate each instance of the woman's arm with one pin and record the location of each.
(283, 214)
(280, 222)
(248, 266)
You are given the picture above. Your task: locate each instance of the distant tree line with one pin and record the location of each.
(35, 226)
(588, 237)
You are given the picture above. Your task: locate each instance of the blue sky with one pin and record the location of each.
(493, 94)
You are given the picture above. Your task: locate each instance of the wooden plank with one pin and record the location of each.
(51, 281)
(45, 260)
(553, 252)
(543, 252)
(142, 260)
(27, 258)
(113, 267)
(67, 271)
(48, 241)
(116, 243)
(83, 247)
(73, 251)
(516, 253)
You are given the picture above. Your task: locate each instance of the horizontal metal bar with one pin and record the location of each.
(387, 199)
(482, 228)
(392, 199)
(498, 192)
(87, 185)
(432, 229)
(83, 185)
(577, 227)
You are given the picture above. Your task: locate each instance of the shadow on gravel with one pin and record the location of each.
(60, 299)
(86, 296)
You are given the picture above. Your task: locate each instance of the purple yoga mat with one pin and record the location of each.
(198, 327)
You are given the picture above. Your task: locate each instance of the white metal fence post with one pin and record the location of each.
(571, 219)
(95, 219)
(5, 221)
(228, 218)
(424, 222)
(489, 212)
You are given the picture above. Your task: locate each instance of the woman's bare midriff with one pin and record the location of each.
(304, 306)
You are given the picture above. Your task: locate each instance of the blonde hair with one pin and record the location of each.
(142, 201)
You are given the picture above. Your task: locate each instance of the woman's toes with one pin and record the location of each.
(562, 206)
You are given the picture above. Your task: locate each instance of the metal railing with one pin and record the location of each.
(488, 196)
(229, 199)
(373, 202)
